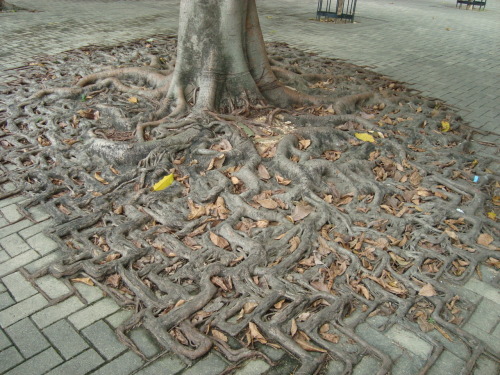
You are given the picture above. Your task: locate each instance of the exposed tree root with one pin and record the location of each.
(282, 227)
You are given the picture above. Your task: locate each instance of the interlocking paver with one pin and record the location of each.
(53, 287)
(409, 341)
(255, 367)
(18, 261)
(54, 313)
(37, 228)
(144, 341)
(125, 364)
(93, 313)
(42, 244)
(211, 364)
(14, 244)
(21, 310)
(447, 363)
(18, 286)
(11, 213)
(79, 365)
(9, 358)
(6, 300)
(27, 338)
(4, 341)
(64, 337)
(104, 339)
(38, 364)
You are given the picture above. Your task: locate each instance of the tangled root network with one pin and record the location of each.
(284, 229)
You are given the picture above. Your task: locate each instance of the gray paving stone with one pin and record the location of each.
(14, 244)
(93, 313)
(408, 364)
(2, 287)
(127, 363)
(18, 261)
(11, 200)
(211, 364)
(53, 287)
(447, 363)
(27, 338)
(118, 318)
(6, 300)
(21, 310)
(3, 222)
(409, 341)
(457, 347)
(18, 286)
(4, 256)
(378, 340)
(67, 341)
(9, 358)
(90, 293)
(37, 228)
(144, 341)
(57, 312)
(488, 339)
(42, 262)
(484, 289)
(486, 366)
(38, 213)
(256, 367)
(37, 365)
(13, 228)
(42, 244)
(79, 365)
(104, 339)
(4, 340)
(167, 365)
(486, 316)
(366, 366)
(11, 213)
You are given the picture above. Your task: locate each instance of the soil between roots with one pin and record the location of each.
(287, 228)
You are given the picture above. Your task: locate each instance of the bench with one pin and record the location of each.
(473, 3)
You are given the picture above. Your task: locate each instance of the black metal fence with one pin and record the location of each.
(472, 3)
(344, 10)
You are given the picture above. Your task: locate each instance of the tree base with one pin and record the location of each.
(285, 227)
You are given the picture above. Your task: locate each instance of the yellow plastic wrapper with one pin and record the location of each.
(164, 183)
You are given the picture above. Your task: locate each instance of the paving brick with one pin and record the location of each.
(14, 244)
(67, 341)
(483, 289)
(4, 341)
(255, 367)
(57, 312)
(211, 364)
(37, 228)
(2, 287)
(146, 343)
(4, 256)
(28, 339)
(486, 366)
(127, 363)
(90, 293)
(378, 340)
(18, 261)
(13, 228)
(38, 213)
(9, 358)
(42, 262)
(11, 200)
(37, 365)
(11, 213)
(93, 313)
(79, 365)
(366, 366)
(53, 287)
(104, 339)
(118, 318)
(18, 286)
(21, 310)
(42, 244)
(486, 316)
(6, 300)
(447, 363)
(409, 341)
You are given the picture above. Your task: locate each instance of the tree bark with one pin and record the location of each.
(221, 62)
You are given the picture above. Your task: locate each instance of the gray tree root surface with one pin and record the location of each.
(282, 226)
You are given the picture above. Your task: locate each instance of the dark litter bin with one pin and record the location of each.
(343, 10)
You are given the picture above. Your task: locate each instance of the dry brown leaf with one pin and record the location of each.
(306, 345)
(294, 243)
(249, 307)
(180, 303)
(304, 144)
(83, 280)
(220, 206)
(196, 210)
(427, 291)
(484, 239)
(114, 170)
(219, 241)
(294, 328)
(99, 178)
(301, 211)
(268, 203)
(114, 280)
(263, 172)
(216, 162)
(133, 99)
(331, 337)
(255, 333)
(219, 335)
(278, 305)
(282, 180)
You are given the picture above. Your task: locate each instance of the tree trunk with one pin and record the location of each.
(221, 58)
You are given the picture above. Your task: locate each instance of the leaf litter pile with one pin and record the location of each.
(264, 227)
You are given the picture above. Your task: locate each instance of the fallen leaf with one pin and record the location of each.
(255, 333)
(133, 99)
(304, 144)
(219, 241)
(304, 344)
(364, 137)
(294, 328)
(294, 242)
(263, 173)
(99, 178)
(427, 291)
(282, 180)
(164, 183)
(219, 335)
(484, 239)
(301, 211)
(445, 126)
(268, 203)
(83, 280)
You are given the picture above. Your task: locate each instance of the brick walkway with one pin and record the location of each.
(447, 53)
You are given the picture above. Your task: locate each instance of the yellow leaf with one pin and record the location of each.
(496, 200)
(133, 99)
(445, 126)
(99, 178)
(83, 280)
(164, 183)
(492, 215)
(364, 137)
